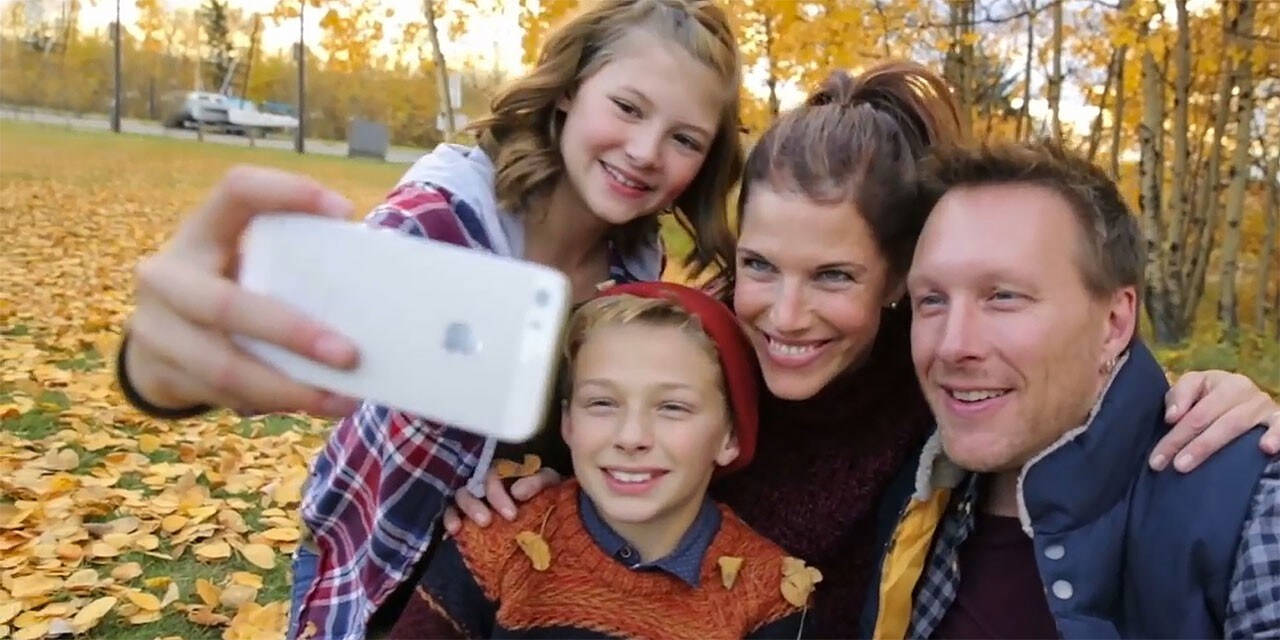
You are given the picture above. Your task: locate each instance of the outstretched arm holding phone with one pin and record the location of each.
(178, 358)
(381, 482)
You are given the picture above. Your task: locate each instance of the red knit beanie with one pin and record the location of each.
(737, 358)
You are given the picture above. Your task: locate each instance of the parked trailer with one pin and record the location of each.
(216, 112)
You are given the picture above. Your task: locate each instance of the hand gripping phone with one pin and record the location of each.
(456, 335)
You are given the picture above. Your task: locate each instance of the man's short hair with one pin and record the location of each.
(1114, 253)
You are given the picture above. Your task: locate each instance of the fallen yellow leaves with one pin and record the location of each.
(108, 519)
(259, 555)
(216, 550)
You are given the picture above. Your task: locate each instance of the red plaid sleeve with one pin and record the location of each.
(382, 481)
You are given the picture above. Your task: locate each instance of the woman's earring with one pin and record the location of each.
(552, 134)
(1109, 366)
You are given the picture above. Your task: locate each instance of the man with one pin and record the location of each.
(1034, 513)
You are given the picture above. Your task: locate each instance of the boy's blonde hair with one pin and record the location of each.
(624, 310)
(521, 133)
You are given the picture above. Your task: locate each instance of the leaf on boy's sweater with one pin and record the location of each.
(798, 581)
(729, 567)
(510, 469)
(534, 546)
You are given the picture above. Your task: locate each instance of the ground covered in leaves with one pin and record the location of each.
(113, 525)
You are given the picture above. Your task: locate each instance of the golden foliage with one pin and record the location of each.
(107, 516)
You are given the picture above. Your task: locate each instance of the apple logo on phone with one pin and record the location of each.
(459, 339)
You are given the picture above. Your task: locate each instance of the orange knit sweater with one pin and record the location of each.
(585, 593)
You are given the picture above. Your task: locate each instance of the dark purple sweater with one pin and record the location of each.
(821, 467)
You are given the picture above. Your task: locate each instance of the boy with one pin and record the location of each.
(661, 397)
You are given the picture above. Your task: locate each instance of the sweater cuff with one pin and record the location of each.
(131, 393)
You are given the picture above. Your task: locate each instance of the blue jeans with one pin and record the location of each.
(304, 573)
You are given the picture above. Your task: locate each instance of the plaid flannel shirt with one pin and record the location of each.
(383, 480)
(1253, 606)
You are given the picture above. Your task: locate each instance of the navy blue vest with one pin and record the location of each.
(1128, 552)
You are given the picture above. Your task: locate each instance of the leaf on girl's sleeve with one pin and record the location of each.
(729, 568)
(534, 546)
(798, 581)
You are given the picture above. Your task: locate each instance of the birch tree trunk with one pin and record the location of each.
(442, 71)
(1207, 213)
(1055, 74)
(1117, 120)
(1266, 262)
(1149, 199)
(1180, 199)
(1024, 112)
(1095, 128)
(959, 69)
(1204, 224)
(1228, 313)
(772, 81)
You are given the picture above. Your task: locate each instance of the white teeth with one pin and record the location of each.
(623, 179)
(631, 478)
(791, 349)
(976, 396)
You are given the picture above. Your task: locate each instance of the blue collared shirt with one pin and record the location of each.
(685, 562)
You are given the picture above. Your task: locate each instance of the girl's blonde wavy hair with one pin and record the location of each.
(521, 133)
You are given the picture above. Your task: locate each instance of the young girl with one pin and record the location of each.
(630, 110)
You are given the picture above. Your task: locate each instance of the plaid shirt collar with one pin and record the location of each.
(941, 578)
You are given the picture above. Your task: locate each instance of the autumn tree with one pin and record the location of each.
(441, 69)
(1241, 162)
(216, 28)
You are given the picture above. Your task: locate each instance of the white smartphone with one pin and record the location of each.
(462, 337)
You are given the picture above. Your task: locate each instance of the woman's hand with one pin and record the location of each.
(1208, 410)
(179, 351)
(495, 489)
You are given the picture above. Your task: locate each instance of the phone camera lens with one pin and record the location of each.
(541, 297)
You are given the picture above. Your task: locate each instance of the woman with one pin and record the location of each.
(829, 216)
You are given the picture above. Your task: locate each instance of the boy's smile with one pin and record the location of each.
(632, 482)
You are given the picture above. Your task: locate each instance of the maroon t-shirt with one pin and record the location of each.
(1001, 595)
